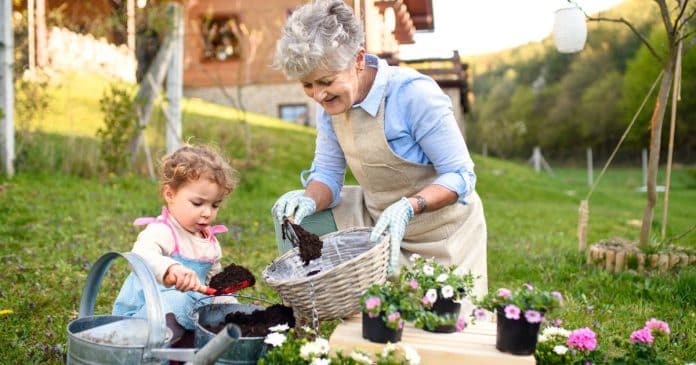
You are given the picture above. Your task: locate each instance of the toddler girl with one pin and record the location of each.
(181, 242)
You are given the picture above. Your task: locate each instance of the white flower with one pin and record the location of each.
(320, 362)
(447, 291)
(428, 270)
(414, 257)
(411, 355)
(280, 328)
(431, 294)
(360, 357)
(441, 278)
(275, 339)
(555, 331)
(314, 349)
(560, 349)
(388, 349)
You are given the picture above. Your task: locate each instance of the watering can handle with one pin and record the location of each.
(157, 328)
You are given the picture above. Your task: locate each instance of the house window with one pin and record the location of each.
(296, 113)
(220, 38)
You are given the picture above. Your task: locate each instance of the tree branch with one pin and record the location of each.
(664, 12)
(681, 12)
(687, 35)
(686, 20)
(637, 33)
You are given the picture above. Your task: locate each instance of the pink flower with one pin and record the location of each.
(413, 283)
(558, 296)
(372, 303)
(480, 314)
(512, 312)
(461, 324)
(557, 322)
(529, 287)
(504, 293)
(643, 335)
(533, 316)
(657, 325)
(583, 339)
(393, 317)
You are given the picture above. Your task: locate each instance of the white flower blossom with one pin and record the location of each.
(555, 331)
(320, 361)
(360, 358)
(560, 349)
(388, 349)
(414, 257)
(279, 328)
(447, 291)
(431, 294)
(411, 355)
(275, 339)
(442, 278)
(314, 349)
(428, 270)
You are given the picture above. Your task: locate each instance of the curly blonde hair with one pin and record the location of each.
(190, 163)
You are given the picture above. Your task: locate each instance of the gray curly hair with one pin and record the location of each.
(322, 34)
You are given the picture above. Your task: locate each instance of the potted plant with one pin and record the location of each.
(382, 319)
(439, 289)
(519, 314)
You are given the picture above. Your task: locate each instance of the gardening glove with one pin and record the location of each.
(293, 204)
(395, 217)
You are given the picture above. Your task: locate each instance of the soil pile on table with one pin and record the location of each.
(231, 276)
(258, 322)
(309, 243)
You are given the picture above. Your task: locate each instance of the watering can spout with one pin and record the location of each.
(223, 341)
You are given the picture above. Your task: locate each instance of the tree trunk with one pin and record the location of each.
(654, 155)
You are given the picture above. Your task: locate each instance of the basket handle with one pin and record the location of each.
(156, 329)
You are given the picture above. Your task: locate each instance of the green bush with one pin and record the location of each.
(120, 125)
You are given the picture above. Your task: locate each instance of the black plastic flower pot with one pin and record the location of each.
(445, 307)
(375, 330)
(516, 336)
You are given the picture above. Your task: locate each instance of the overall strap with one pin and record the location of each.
(164, 220)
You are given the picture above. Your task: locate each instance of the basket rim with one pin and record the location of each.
(320, 275)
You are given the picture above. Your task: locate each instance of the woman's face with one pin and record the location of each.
(335, 91)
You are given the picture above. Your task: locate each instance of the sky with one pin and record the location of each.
(483, 26)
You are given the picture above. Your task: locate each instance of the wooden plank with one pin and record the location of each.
(474, 345)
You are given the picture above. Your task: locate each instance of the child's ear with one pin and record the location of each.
(168, 193)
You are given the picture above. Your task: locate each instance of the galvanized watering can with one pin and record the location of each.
(108, 339)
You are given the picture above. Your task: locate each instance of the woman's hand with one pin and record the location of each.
(293, 204)
(186, 279)
(395, 217)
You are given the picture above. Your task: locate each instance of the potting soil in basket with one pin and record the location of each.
(330, 286)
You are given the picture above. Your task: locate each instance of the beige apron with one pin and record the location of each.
(454, 234)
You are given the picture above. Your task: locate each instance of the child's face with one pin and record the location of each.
(195, 204)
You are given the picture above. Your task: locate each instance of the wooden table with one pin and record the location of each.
(474, 345)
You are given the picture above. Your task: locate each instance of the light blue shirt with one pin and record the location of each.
(419, 126)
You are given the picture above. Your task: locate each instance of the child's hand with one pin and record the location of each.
(184, 279)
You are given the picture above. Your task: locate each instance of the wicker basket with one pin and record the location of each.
(348, 265)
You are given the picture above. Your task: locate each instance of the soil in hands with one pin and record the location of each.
(309, 243)
(232, 277)
(258, 322)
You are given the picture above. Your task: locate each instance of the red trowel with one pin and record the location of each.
(231, 279)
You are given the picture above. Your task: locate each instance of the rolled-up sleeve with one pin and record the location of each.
(329, 164)
(435, 130)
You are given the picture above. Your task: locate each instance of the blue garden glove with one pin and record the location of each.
(293, 204)
(395, 217)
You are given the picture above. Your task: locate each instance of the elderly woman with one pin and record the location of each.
(395, 129)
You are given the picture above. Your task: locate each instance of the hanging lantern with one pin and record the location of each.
(570, 30)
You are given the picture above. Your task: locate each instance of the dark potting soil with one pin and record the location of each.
(257, 323)
(232, 275)
(309, 243)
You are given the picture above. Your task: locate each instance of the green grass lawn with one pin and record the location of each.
(54, 224)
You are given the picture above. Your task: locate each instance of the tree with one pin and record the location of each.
(675, 21)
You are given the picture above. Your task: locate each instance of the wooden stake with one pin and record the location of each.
(609, 262)
(583, 218)
(620, 261)
(641, 263)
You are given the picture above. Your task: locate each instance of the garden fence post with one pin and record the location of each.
(7, 87)
(175, 74)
